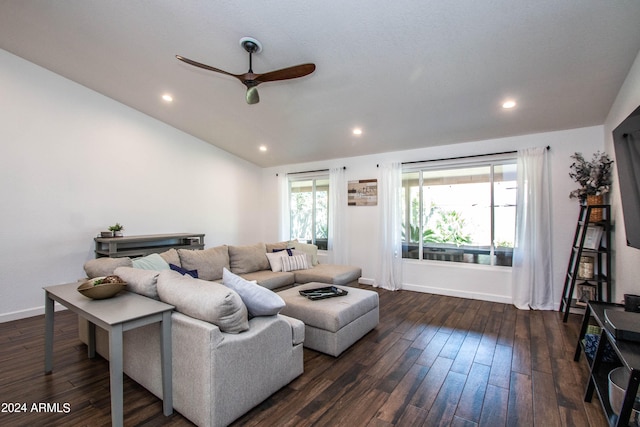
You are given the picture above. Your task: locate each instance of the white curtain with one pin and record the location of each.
(337, 211)
(284, 228)
(532, 277)
(390, 256)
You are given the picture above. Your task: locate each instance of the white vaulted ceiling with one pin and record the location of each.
(410, 73)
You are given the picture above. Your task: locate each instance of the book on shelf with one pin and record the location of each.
(593, 237)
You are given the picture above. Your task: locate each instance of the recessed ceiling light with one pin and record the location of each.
(263, 148)
(167, 97)
(357, 131)
(508, 104)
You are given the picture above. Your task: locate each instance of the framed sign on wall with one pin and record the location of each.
(363, 192)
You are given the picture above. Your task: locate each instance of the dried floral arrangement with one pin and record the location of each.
(594, 177)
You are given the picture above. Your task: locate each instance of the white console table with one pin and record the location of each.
(116, 315)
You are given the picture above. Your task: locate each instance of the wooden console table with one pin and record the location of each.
(135, 246)
(116, 315)
(629, 354)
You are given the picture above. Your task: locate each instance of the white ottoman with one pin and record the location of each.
(332, 325)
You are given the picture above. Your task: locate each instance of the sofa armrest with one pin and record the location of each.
(217, 376)
(297, 328)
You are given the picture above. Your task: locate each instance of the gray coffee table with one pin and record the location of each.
(116, 315)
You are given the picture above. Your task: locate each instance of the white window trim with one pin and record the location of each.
(444, 164)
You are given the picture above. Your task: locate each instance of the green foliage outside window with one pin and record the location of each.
(449, 228)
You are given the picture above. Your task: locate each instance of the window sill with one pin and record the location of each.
(452, 264)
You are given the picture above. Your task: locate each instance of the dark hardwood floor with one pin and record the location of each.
(432, 360)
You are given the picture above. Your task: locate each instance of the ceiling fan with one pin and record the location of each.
(252, 80)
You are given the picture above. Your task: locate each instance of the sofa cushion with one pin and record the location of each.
(208, 301)
(208, 262)
(140, 281)
(259, 300)
(150, 262)
(171, 256)
(329, 273)
(271, 280)
(294, 262)
(101, 267)
(247, 259)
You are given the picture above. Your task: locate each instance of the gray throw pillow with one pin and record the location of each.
(207, 301)
(208, 262)
(247, 259)
(101, 267)
(171, 256)
(140, 281)
(260, 301)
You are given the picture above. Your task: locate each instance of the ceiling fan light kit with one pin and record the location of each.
(252, 80)
(251, 45)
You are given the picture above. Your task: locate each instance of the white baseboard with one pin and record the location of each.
(29, 312)
(365, 281)
(457, 293)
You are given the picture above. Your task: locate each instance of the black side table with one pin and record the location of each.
(629, 354)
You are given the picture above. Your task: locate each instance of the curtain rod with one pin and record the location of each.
(317, 170)
(462, 157)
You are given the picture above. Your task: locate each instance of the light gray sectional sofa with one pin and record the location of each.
(251, 262)
(225, 361)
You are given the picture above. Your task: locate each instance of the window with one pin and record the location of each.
(309, 210)
(460, 213)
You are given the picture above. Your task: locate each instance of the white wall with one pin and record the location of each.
(73, 162)
(481, 282)
(626, 272)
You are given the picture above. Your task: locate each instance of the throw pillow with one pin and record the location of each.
(171, 256)
(208, 262)
(247, 259)
(183, 271)
(260, 301)
(101, 267)
(312, 250)
(275, 260)
(150, 262)
(309, 257)
(208, 301)
(273, 247)
(295, 262)
(140, 281)
(289, 251)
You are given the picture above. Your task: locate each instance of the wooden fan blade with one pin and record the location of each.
(286, 73)
(208, 67)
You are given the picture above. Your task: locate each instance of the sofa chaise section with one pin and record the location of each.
(217, 376)
(333, 274)
(223, 363)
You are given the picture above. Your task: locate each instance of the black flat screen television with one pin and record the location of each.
(626, 143)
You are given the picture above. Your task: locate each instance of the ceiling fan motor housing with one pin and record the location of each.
(251, 45)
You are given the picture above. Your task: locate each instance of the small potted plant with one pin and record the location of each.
(594, 178)
(117, 229)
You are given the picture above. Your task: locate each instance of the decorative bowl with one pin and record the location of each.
(618, 380)
(100, 290)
